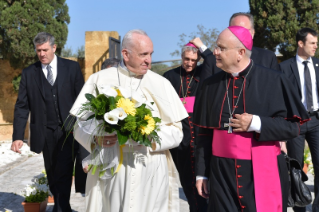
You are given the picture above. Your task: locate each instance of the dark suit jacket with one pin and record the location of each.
(264, 58)
(31, 99)
(290, 68)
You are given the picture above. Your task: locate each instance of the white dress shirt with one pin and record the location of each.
(301, 68)
(54, 68)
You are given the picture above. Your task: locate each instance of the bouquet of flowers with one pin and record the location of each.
(115, 110)
(38, 191)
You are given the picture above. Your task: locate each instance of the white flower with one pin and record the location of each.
(108, 91)
(124, 92)
(137, 99)
(119, 113)
(110, 118)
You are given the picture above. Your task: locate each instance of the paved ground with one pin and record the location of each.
(14, 179)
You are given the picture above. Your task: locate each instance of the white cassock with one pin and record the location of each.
(147, 180)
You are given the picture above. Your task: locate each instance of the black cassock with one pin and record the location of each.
(266, 93)
(183, 155)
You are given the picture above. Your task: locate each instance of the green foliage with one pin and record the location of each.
(129, 123)
(307, 156)
(67, 52)
(208, 37)
(38, 191)
(21, 20)
(16, 83)
(160, 68)
(81, 52)
(277, 22)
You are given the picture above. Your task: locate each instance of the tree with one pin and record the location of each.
(67, 52)
(81, 52)
(160, 68)
(21, 20)
(277, 23)
(208, 37)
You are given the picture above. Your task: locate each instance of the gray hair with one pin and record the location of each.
(127, 39)
(248, 53)
(43, 37)
(193, 49)
(110, 62)
(248, 15)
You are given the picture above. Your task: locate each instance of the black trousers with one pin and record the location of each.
(184, 161)
(295, 147)
(59, 154)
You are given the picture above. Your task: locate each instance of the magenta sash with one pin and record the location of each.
(189, 106)
(264, 161)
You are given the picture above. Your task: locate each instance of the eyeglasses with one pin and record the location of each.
(219, 49)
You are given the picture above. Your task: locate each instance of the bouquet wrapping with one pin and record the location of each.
(114, 110)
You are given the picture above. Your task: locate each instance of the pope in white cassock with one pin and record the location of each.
(147, 181)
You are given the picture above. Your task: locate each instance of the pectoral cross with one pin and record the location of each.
(184, 102)
(230, 128)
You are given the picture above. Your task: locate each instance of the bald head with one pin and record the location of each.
(231, 55)
(244, 20)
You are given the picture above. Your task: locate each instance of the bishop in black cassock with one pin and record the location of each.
(186, 80)
(243, 113)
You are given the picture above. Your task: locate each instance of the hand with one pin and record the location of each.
(16, 146)
(202, 188)
(197, 42)
(106, 141)
(241, 122)
(283, 146)
(85, 169)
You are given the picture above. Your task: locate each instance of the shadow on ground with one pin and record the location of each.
(11, 201)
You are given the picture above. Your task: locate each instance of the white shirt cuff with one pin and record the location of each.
(201, 178)
(255, 124)
(202, 48)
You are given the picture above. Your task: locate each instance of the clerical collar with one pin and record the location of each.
(300, 60)
(242, 72)
(124, 70)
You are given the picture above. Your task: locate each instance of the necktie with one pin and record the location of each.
(50, 75)
(308, 84)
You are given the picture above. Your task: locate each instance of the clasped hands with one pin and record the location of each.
(241, 122)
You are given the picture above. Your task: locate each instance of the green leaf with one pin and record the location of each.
(94, 169)
(91, 117)
(97, 90)
(89, 97)
(122, 138)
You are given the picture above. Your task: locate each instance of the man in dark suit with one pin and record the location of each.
(260, 56)
(303, 72)
(48, 89)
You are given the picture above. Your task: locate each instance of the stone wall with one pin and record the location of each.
(96, 50)
(8, 98)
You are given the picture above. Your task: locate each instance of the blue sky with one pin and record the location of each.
(163, 20)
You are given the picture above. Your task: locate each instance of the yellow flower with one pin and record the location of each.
(127, 105)
(150, 126)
